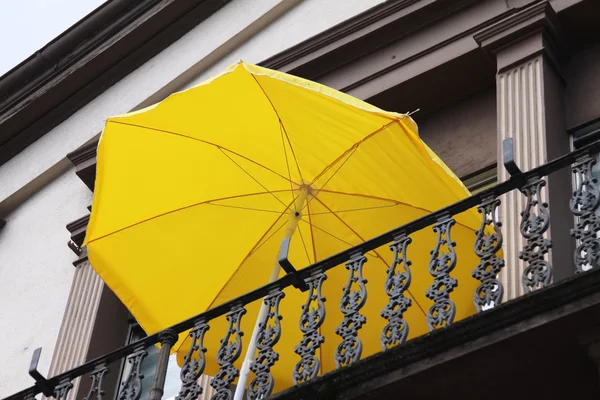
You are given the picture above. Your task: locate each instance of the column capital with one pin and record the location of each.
(525, 34)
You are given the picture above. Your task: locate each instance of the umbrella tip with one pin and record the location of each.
(412, 112)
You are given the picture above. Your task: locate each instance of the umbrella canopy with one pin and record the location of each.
(194, 194)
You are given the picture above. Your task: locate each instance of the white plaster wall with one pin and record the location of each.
(232, 31)
(35, 276)
(35, 263)
(307, 19)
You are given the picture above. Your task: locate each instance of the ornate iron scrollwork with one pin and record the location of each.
(353, 299)
(584, 205)
(229, 351)
(96, 388)
(131, 389)
(313, 316)
(487, 244)
(534, 224)
(396, 284)
(193, 363)
(61, 391)
(269, 334)
(442, 312)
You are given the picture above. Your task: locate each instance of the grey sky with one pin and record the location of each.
(27, 25)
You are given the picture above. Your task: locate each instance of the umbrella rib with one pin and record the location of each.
(179, 209)
(304, 245)
(312, 234)
(328, 233)
(287, 163)
(267, 239)
(258, 244)
(200, 141)
(375, 251)
(366, 196)
(281, 124)
(354, 146)
(345, 224)
(357, 209)
(331, 177)
(242, 208)
(253, 178)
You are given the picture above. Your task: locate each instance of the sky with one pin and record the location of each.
(27, 25)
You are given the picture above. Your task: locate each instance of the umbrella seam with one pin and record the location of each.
(332, 175)
(177, 210)
(252, 177)
(378, 111)
(287, 163)
(200, 141)
(280, 123)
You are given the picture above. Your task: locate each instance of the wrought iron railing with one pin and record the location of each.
(535, 222)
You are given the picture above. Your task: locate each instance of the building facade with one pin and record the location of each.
(475, 72)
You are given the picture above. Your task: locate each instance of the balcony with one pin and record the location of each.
(543, 344)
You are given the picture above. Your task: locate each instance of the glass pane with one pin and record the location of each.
(148, 369)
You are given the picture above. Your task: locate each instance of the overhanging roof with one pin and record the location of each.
(81, 63)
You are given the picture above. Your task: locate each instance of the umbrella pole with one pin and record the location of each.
(295, 216)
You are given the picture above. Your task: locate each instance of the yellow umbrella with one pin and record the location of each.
(194, 195)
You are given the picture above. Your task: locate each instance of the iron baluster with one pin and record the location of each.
(353, 299)
(487, 244)
(396, 284)
(269, 334)
(96, 388)
(311, 319)
(131, 389)
(193, 363)
(584, 205)
(167, 339)
(61, 391)
(229, 351)
(443, 311)
(534, 224)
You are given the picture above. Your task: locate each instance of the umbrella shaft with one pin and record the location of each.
(295, 216)
(296, 212)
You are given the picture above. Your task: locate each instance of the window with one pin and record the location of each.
(148, 369)
(582, 136)
(481, 180)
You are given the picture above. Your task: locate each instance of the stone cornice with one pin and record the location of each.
(538, 19)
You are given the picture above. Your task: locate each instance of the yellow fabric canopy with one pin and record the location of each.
(193, 196)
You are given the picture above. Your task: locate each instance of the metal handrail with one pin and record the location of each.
(297, 277)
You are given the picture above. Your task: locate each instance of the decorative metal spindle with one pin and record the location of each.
(584, 205)
(396, 284)
(313, 316)
(269, 334)
(167, 339)
(443, 310)
(229, 351)
(131, 389)
(487, 244)
(97, 375)
(193, 363)
(353, 299)
(534, 224)
(61, 391)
